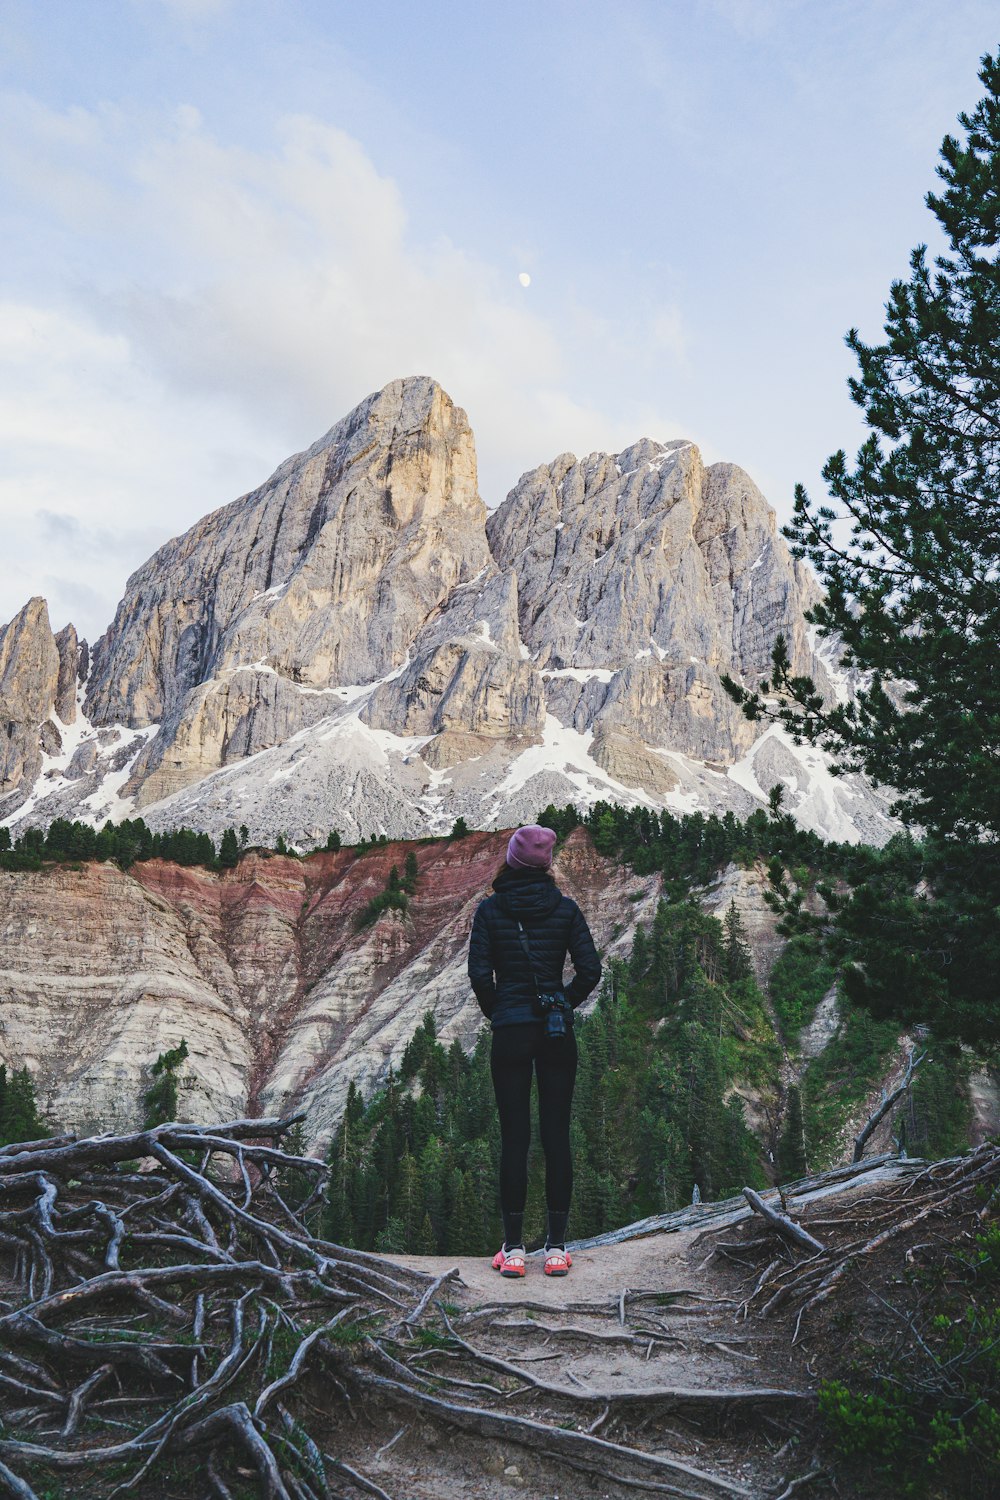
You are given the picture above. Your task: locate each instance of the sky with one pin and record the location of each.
(225, 222)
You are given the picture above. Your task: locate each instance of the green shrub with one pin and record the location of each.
(388, 900)
(160, 1099)
(799, 980)
(920, 1414)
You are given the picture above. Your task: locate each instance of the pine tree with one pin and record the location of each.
(658, 1164)
(936, 1113)
(408, 1201)
(459, 1221)
(459, 828)
(344, 1189)
(160, 1099)
(908, 553)
(336, 1225)
(424, 1122)
(639, 958)
(391, 1240)
(433, 1175)
(367, 1205)
(332, 841)
(204, 850)
(426, 1244)
(739, 964)
(792, 1161)
(229, 850)
(467, 1231)
(19, 1117)
(294, 1184)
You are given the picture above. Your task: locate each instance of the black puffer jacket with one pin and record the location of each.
(554, 926)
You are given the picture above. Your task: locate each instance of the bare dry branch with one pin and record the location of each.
(785, 1226)
(887, 1103)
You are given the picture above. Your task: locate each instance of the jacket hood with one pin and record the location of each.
(526, 895)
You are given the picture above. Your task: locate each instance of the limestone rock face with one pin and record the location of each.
(642, 578)
(321, 578)
(467, 681)
(631, 762)
(38, 686)
(73, 658)
(356, 645)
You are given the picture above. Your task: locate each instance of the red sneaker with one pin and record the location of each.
(509, 1262)
(557, 1263)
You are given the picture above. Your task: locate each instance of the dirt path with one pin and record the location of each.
(657, 1260)
(639, 1372)
(641, 1364)
(643, 1341)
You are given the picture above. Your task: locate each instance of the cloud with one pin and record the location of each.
(304, 289)
(194, 10)
(752, 19)
(247, 299)
(97, 466)
(86, 541)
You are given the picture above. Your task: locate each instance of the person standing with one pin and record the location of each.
(520, 938)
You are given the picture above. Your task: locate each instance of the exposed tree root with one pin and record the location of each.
(173, 1326)
(580, 1450)
(946, 1190)
(188, 1300)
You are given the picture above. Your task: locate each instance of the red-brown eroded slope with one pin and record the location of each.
(262, 970)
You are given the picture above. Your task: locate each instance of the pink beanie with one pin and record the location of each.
(530, 848)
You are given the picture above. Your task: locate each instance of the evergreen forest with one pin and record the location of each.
(680, 1037)
(683, 1082)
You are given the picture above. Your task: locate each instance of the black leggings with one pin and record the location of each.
(515, 1050)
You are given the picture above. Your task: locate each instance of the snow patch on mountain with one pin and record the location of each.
(843, 808)
(342, 773)
(84, 779)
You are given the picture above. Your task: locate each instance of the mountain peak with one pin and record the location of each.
(39, 673)
(412, 403)
(357, 644)
(238, 633)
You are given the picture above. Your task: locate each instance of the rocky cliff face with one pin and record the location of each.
(261, 969)
(39, 677)
(356, 644)
(643, 577)
(232, 636)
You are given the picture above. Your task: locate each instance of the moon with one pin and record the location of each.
(524, 278)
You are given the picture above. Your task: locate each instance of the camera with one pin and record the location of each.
(557, 1013)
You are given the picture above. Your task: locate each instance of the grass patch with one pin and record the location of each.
(799, 980)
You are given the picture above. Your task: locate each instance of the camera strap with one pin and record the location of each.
(527, 953)
(559, 1024)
